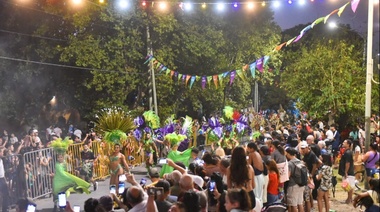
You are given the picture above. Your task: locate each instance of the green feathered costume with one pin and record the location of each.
(174, 155)
(64, 181)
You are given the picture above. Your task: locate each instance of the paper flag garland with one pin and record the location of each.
(252, 67)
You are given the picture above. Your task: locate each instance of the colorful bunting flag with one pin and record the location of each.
(259, 64)
(341, 9)
(252, 67)
(232, 77)
(204, 81)
(215, 78)
(328, 16)
(220, 77)
(187, 79)
(192, 81)
(319, 20)
(209, 78)
(354, 5)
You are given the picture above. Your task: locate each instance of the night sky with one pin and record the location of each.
(290, 15)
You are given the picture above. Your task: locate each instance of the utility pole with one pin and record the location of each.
(152, 81)
(369, 75)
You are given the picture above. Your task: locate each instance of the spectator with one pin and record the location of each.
(136, 196)
(57, 131)
(174, 179)
(223, 166)
(255, 160)
(202, 201)
(346, 168)
(274, 180)
(294, 192)
(22, 205)
(3, 184)
(370, 158)
(237, 200)
(154, 175)
(107, 203)
(92, 204)
(13, 139)
(240, 174)
(373, 192)
(178, 207)
(185, 183)
(367, 202)
(86, 171)
(325, 176)
(312, 163)
(162, 204)
(210, 163)
(191, 201)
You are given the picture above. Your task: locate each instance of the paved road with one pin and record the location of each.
(46, 204)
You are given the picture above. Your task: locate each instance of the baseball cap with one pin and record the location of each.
(198, 180)
(303, 144)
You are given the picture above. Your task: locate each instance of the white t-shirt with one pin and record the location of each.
(2, 172)
(330, 135)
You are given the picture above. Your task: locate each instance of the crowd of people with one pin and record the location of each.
(280, 166)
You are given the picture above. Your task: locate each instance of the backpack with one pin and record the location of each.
(300, 174)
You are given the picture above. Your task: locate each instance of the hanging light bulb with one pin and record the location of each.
(235, 5)
(263, 3)
(143, 3)
(290, 2)
(204, 5)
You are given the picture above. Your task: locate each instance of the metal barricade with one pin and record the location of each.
(38, 168)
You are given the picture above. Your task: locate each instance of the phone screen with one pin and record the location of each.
(62, 200)
(122, 178)
(142, 181)
(76, 208)
(113, 189)
(31, 208)
(121, 188)
(212, 185)
(163, 161)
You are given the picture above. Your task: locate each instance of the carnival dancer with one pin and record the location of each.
(150, 150)
(228, 141)
(113, 124)
(175, 155)
(117, 159)
(62, 180)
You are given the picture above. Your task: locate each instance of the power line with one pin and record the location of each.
(59, 65)
(36, 36)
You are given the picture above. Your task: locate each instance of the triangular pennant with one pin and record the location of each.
(197, 78)
(187, 79)
(252, 67)
(209, 78)
(259, 64)
(266, 58)
(179, 76)
(341, 9)
(215, 78)
(328, 16)
(319, 20)
(225, 74)
(220, 77)
(354, 5)
(192, 81)
(149, 59)
(167, 71)
(240, 73)
(183, 78)
(232, 77)
(171, 73)
(290, 41)
(204, 82)
(158, 65)
(279, 47)
(163, 69)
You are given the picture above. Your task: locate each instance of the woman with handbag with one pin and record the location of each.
(370, 158)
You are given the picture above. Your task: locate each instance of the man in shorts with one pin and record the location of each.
(346, 168)
(294, 195)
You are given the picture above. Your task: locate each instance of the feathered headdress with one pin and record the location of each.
(113, 124)
(152, 119)
(175, 138)
(61, 146)
(228, 112)
(186, 127)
